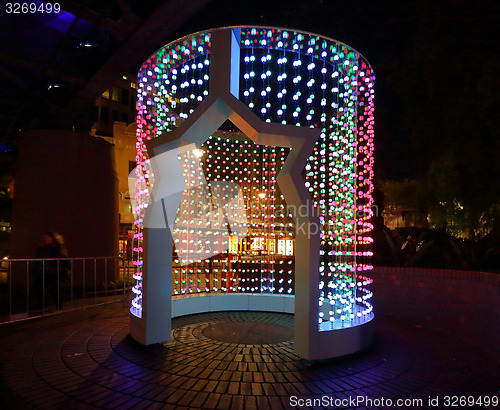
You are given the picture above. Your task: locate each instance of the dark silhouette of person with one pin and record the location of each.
(52, 273)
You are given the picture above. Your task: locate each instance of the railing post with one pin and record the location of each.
(84, 296)
(58, 284)
(71, 283)
(27, 287)
(95, 281)
(128, 280)
(106, 279)
(43, 287)
(124, 292)
(10, 289)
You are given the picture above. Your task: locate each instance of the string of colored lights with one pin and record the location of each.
(339, 171)
(162, 103)
(201, 266)
(287, 77)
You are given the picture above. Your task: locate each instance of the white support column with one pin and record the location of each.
(306, 286)
(225, 62)
(155, 324)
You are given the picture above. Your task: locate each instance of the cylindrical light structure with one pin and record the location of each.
(285, 78)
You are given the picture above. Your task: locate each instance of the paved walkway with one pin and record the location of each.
(85, 360)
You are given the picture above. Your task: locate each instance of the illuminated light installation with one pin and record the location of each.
(304, 105)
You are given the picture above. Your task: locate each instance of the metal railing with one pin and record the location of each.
(31, 288)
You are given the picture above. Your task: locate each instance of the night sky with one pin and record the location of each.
(436, 64)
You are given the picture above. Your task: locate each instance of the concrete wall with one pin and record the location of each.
(459, 303)
(65, 182)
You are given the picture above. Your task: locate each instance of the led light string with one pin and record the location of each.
(338, 174)
(160, 109)
(341, 157)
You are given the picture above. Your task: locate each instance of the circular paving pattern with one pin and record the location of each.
(87, 360)
(252, 333)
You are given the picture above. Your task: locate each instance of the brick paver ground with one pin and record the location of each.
(85, 360)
